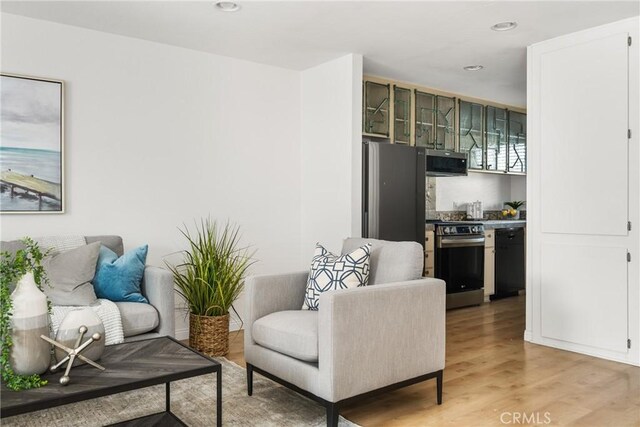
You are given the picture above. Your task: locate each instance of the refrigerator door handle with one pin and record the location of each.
(365, 224)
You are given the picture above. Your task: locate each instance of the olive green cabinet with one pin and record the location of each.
(435, 119)
(517, 154)
(494, 138)
(376, 99)
(445, 123)
(401, 115)
(425, 119)
(472, 139)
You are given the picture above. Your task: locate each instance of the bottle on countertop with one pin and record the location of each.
(479, 214)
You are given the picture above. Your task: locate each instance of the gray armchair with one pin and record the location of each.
(387, 335)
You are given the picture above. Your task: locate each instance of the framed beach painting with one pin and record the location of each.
(31, 145)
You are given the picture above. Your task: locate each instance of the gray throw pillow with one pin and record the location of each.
(11, 246)
(70, 274)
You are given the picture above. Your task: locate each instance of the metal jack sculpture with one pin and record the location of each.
(73, 353)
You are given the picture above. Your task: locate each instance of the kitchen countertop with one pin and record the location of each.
(489, 224)
(492, 224)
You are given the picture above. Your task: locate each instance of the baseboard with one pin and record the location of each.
(628, 358)
(182, 334)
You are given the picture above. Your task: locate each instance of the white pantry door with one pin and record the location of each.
(584, 116)
(580, 192)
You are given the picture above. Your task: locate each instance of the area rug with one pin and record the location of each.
(193, 401)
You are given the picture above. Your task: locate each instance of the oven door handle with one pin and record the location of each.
(460, 242)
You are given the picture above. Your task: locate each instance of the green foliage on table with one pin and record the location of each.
(12, 268)
(515, 204)
(211, 275)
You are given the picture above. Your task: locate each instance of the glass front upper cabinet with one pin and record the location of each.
(425, 119)
(471, 133)
(496, 138)
(445, 123)
(401, 115)
(376, 109)
(517, 131)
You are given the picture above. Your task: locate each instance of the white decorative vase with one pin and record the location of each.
(30, 354)
(68, 333)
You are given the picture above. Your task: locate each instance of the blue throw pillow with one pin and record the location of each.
(119, 279)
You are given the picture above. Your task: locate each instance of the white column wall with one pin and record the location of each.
(331, 153)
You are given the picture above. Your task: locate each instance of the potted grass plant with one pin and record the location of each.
(210, 278)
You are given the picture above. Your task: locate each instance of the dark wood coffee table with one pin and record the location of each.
(129, 366)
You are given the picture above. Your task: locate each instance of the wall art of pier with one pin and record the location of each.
(16, 183)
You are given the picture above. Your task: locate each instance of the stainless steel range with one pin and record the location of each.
(460, 262)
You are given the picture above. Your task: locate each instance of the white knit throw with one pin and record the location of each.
(57, 244)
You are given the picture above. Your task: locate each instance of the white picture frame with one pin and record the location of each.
(31, 145)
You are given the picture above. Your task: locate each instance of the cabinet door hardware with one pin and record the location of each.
(629, 343)
(629, 133)
(629, 41)
(628, 256)
(629, 226)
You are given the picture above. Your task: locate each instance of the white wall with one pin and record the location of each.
(331, 153)
(158, 135)
(453, 193)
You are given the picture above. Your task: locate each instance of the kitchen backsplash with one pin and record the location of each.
(431, 198)
(454, 215)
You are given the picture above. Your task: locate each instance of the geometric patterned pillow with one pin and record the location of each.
(330, 272)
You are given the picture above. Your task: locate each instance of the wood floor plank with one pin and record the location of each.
(491, 372)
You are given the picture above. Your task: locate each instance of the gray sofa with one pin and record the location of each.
(361, 341)
(139, 321)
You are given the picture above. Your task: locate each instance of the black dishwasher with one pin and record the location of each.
(509, 269)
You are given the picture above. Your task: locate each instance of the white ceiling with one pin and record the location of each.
(425, 42)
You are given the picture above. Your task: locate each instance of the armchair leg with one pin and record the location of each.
(249, 379)
(332, 414)
(439, 386)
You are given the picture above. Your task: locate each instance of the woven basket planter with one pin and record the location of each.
(209, 334)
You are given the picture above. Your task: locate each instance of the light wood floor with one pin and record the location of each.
(491, 371)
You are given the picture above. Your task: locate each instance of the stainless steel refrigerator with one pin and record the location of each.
(393, 196)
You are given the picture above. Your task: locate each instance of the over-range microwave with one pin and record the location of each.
(446, 163)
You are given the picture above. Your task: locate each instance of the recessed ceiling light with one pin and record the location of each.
(504, 26)
(473, 67)
(228, 6)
